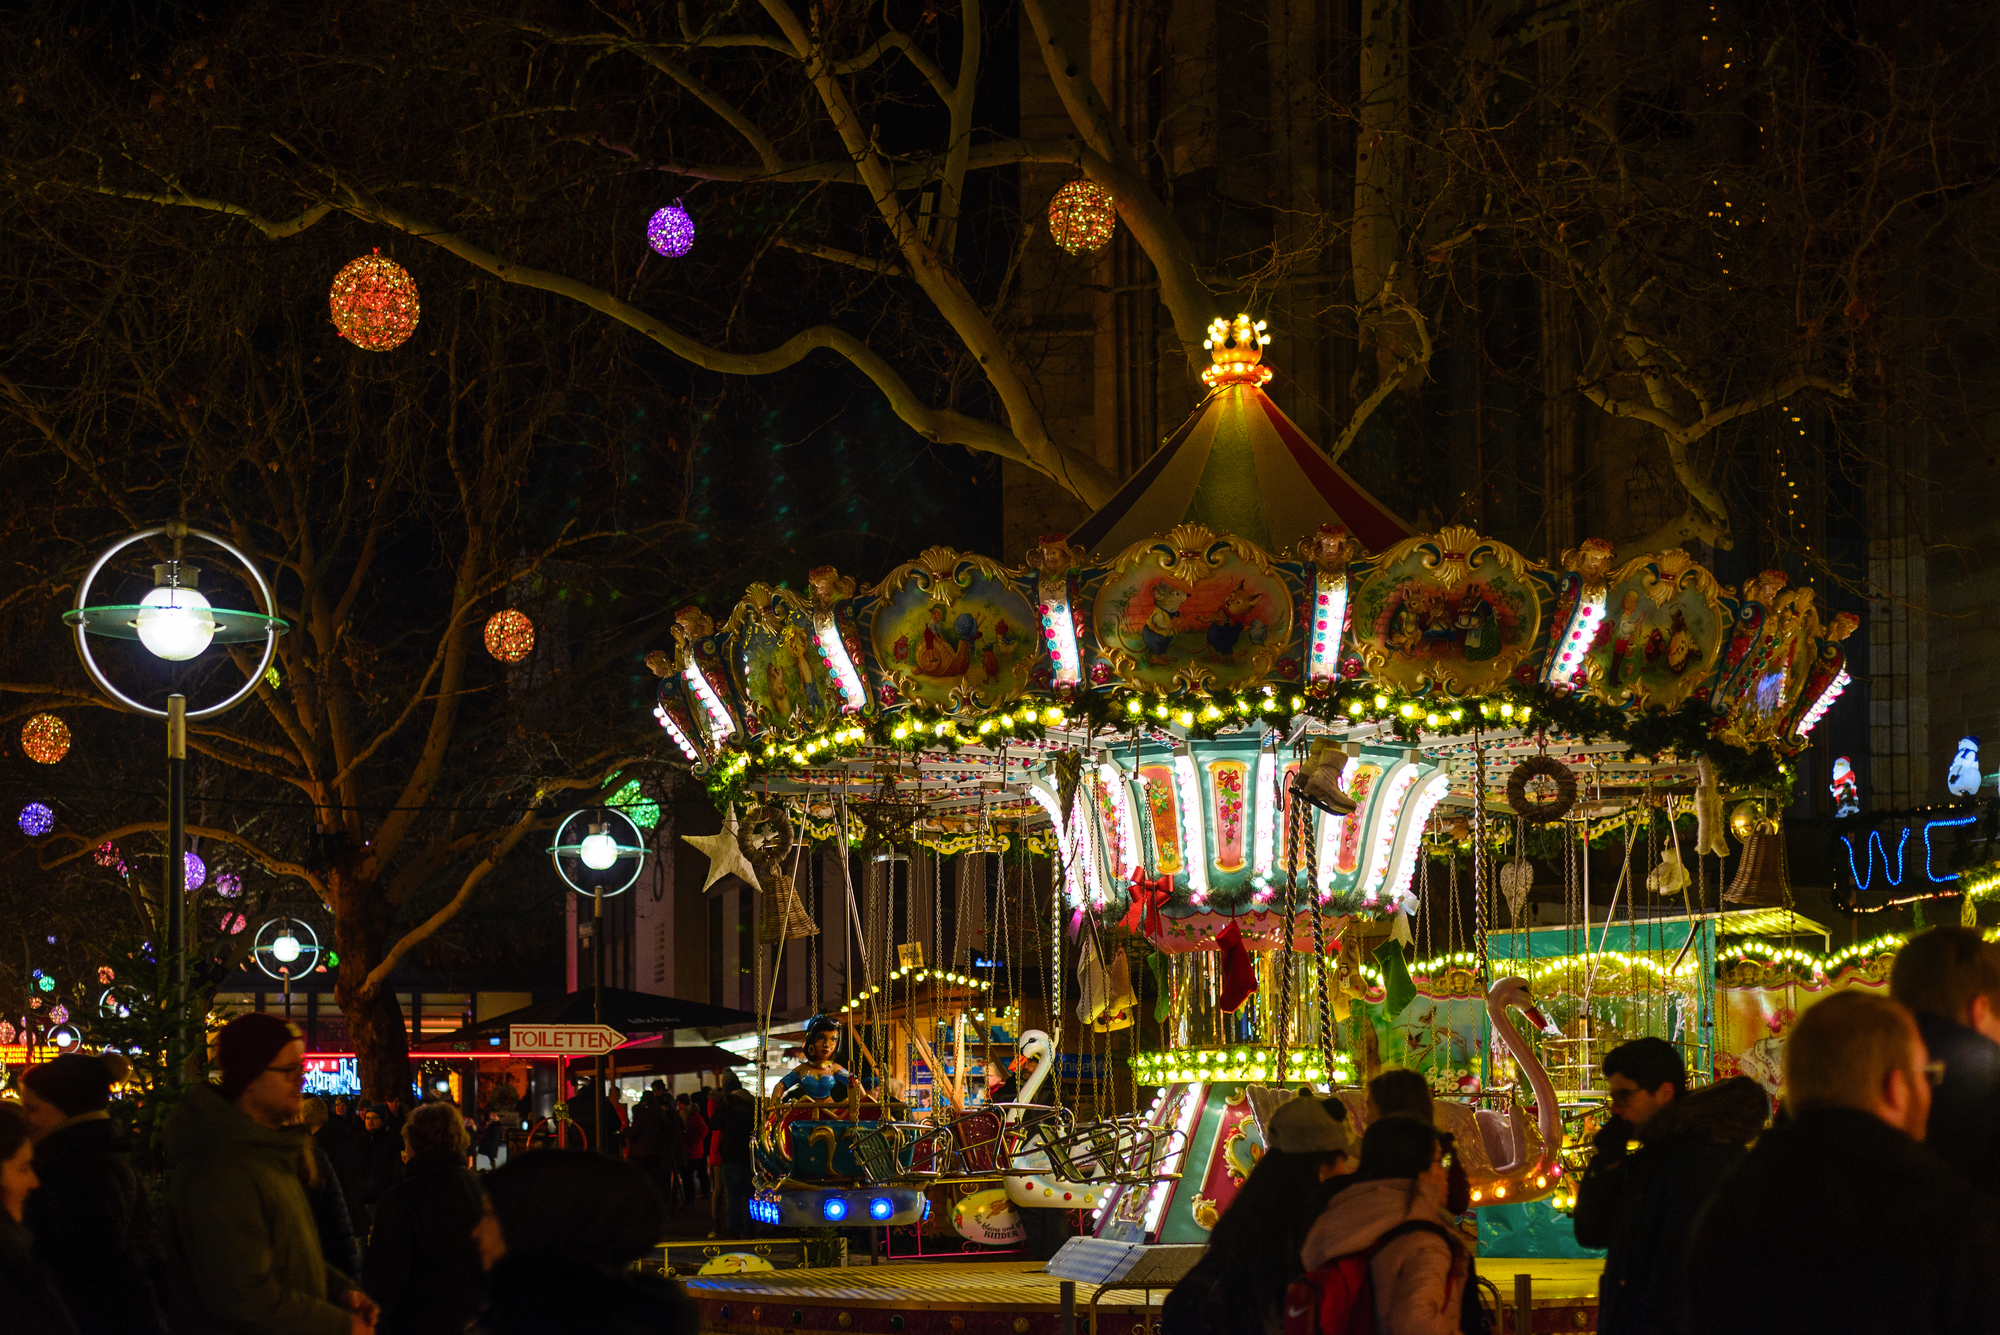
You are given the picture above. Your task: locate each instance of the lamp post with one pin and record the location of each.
(175, 623)
(598, 851)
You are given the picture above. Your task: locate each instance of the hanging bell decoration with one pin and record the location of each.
(1761, 878)
(784, 917)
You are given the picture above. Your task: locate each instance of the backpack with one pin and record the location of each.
(1339, 1297)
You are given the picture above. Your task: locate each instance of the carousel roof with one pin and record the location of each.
(1239, 465)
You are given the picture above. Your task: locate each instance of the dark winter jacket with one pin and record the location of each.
(29, 1303)
(1837, 1221)
(337, 1240)
(648, 1137)
(92, 1222)
(1965, 1109)
(423, 1265)
(733, 1122)
(241, 1243)
(343, 1142)
(381, 1164)
(533, 1296)
(1642, 1207)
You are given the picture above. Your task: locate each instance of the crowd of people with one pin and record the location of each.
(1863, 1201)
(287, 1215)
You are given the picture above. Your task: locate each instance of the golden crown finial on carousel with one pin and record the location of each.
(1237, 348)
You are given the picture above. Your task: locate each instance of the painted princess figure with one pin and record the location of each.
(819, 1077)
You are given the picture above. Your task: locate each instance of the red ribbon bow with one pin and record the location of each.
(1148, 898)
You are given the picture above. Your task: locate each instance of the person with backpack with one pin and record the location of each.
(1384, 1244)
(1253, 1251)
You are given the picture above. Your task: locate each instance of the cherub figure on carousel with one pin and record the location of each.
(819, 1078)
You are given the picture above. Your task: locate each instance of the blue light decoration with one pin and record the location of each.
(1930, 868)
(880, 1207)
(1875, 846)
(764, 1212)
(36, 820)
(1878, 857)
(834, 1208)
(671, 231)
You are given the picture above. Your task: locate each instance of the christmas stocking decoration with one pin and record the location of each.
(1239, 979)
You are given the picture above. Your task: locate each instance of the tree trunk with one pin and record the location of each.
(375, 1025)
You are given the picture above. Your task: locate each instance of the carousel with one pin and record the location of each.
(1266, 740)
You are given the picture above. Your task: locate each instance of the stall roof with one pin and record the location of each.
(626, 1011)
(654, 1059)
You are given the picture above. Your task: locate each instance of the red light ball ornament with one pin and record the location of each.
(1082, 217)
(374, 303)
(45, 738)
(510, 636)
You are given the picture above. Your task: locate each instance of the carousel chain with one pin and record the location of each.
(1319, 954)
(1479, 920)
(1282, 1030)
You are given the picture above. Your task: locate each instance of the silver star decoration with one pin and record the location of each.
(725, 853)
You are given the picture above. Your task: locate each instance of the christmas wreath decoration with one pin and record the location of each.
(1531, 809)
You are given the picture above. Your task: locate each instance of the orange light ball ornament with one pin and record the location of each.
(374, 302)
(1082, 217)
(510, 636)
(45, 739)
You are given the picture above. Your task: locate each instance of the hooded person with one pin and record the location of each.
(558, 1236)
(1253, 1250)
(29, 1303)
(327, 1194)
(242, 1246)
(92, 1220)
(1393, 1211)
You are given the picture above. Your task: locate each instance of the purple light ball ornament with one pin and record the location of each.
(228, 884)
(197, 871)
(671, 232)
(36, 820)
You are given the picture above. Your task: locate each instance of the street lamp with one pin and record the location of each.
(175, 622)
(598, 851)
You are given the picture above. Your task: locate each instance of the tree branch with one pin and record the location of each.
(847, 257)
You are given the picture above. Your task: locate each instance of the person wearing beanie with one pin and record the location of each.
(558, 1235)
(1253, 1249)
(242, 1245)
(92, 1220)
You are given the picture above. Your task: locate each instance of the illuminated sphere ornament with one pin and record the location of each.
(6, 1031)
(105, 973)
(598, 850)
(36, 820)
(45, 739)
(234, 923)
(510, 636)
(228, 884)
(59, 1013)
(1082, 217)
(671, 231)
(197, 870)
(374, 303)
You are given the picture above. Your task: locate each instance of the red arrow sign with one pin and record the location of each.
(563, 1040)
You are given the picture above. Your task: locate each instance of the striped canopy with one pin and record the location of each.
(1240, 466)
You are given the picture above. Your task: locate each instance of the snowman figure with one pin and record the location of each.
(1963, 778)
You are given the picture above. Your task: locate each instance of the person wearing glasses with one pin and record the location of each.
(1949, 977)
(1641, 1206)
(245, 1255)
(1839, 1219)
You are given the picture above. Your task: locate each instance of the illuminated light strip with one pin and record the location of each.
(681, 739)
(1393, 787)
(1329, 619)
(1124, 821)
(1059, 634)
(1194, 834)
(1875, 842)
(1566, 654)
(1929, 870)
(833, 652)
(1270, 815)
(1410, 831)
(1824, 703)
(1184, 1133)
(719, 724)
(1076, 889)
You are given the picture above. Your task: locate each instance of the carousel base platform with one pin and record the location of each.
(1020, 1298)
(909, 1298)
